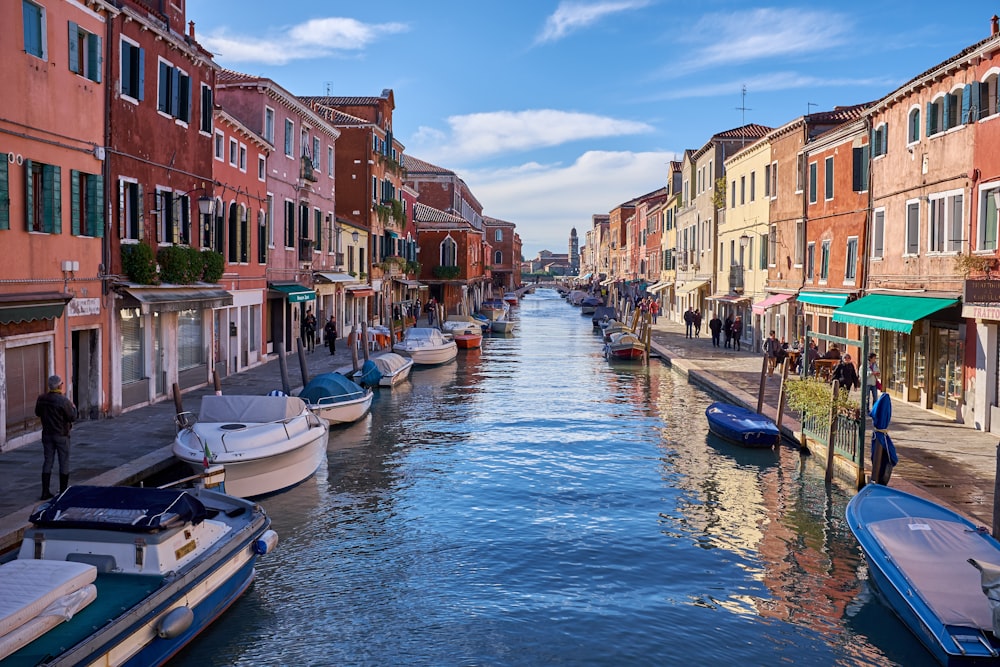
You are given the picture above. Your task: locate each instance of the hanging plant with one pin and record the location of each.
(139, 263)
(213, 266)
(974, 264)
(447, 272)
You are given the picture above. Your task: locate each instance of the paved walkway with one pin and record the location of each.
(949, 462)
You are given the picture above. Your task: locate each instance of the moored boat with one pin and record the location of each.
(394, 368)
(502, 325)
(624, 345)
(510, 297)
(336, 398)
(427, 346)
(920, 559)
(468, 340)
(126, 576)
(265, 443)
(494, 309)
(742, 426)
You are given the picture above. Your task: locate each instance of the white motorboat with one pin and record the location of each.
(126, 576)
(427, 346)
(336, 398)
(502, 325)
(394, 368)
(494, 309)
(265, 443)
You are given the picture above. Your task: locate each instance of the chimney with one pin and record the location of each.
(994, 25)
(191, 28)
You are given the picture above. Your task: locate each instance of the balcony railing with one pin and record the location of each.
(736, 279)
(305, 250)
(308, 171)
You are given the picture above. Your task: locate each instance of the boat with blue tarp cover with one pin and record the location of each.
(337, 398)
(932, 567)
(126, 576)
(742, 426)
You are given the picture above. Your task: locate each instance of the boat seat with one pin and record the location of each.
(103, 562)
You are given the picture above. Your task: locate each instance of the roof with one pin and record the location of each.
(415, 165)
(352, 100)
(748, 131)
(425, 213)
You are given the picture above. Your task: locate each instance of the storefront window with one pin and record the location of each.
(920, 356)
(190, 348)
(894, 374)
(133, 359)
(947, 370)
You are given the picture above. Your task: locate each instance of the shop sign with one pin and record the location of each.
(78, 307)
(981, 312)
(981, 291)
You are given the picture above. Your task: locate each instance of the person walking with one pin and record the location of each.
(431, 306)
(654, 308)
(309, 330)
(688, 322)
(737, 332)
(845, 373)
(715, 326)
(57, 414)
(330, 335)
(697, 323)
(727, 328)
(874, 380)
(770, 349)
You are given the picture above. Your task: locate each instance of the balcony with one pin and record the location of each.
(306, 250)
(308, 170)
(736, 279)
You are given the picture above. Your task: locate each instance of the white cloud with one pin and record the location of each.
(315, 38)
(739, 37)
(572, 16)
(769, 83)
(481, 135)
(546, 201)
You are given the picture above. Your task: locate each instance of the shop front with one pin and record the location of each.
(919, 342)
(981, 307)
(286, 304)
(816, 311)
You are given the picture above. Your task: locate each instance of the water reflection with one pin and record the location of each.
(533, 503)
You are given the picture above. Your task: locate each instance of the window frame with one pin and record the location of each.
(986, 191)
(813, 182)
(911, 233)
(878, 234)
(945, 227)
(851, 261)
(131, 70)
(828, 176)
(42, 36)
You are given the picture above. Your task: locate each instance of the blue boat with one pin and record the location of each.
(337, 398)
(742, 426)
(126, 576)
(918, 557)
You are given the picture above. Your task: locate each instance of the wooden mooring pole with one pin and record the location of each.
(833, 433)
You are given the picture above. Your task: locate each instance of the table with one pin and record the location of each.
(824, 367)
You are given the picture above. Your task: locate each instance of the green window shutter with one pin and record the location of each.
(4, 196)
(32, 28)
(975, 110)
(29, 197)
(74, 201)
(947, 112)
(74, 48)
(95, 57)
(885, 139)
(142, 76)
(55, 199)
(95, 206)
(141, 215)
(929, 119)
(162, 98)
(175, 92)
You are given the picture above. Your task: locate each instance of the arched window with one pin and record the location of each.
(913, 126)
(244, 235)
(449, 252)
(497, 258)
(261, 237)
(987, 102)
(233, 255)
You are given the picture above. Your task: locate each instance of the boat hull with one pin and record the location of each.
(917, 553)
(343, 412)
(434, 357)
(501, 326)
(468, 341)
(741, 426)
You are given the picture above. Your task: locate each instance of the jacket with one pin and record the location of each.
(846, 374)
(56, 412)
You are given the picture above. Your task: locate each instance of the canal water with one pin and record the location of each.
(534, 504)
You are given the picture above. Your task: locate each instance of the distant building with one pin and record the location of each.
(574, 252)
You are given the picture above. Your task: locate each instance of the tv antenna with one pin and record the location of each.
(328, 84)
(743, 108)
(809, 106)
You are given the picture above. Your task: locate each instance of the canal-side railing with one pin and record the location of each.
(845, 439)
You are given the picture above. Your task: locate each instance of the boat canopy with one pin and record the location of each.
(327, 386)
(390, 363)
(122, 508)
(249, 409)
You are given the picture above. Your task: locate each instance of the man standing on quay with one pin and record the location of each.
(715, 326)
(330, 335)
(57, 414)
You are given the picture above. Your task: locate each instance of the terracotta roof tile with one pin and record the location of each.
(424, 213)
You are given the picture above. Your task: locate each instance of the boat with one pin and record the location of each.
(394, 368)
(126, 576)
(603, 314)
(336, 398)
(494, 309)
(510, 297)
(455, 323)
(918, 556)
(576, 297)
(742, 426)
(624, 345)
(502, 325)
(426, 346)
(468, 340)
(265, 443)
(589, 305)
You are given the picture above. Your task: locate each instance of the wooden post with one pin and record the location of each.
(178, 402)
(833, 433)
(763, 384)
(781, 393)
(217, 382)
(302, 361)
(364, 338)
(283, 366)
(354, 349)
(996, 498)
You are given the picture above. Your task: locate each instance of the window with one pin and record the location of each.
(244, 235)
(289, 138)
(42, 206)
(774, 180)
(261, 168)
(772, 246)
(220, 146)
(497, 258)
(811, 261)
(34, 29)
(945, 212)
(859, 169)
(174, 88)
(753, 185)
(318, 225)
(133, 70)
(374, 188)
(85, 55)
(743, 190)
(880, 140)
(800, 240)
(289, 224)
(989, 197)
(952, 110)
(233, 152)
(913, 126)
(987, 102)
(207, 108)
(912, 228)
(935, 116)
(813, 170)
(129, 210)
(449, 252)
(732, 195)
(133, 355)
(269, 124)
(851, 262)
(828, 178)
(878, 234)
(243, 157)
(767, 181)
(800, 171)
(174, 214)
(498, 235)
(233, 247)
(329, 161)
(190, 346)
(262, 237)
(824, 262)
(86, 204)
(316, 155)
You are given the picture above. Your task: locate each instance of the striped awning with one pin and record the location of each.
(32, 306)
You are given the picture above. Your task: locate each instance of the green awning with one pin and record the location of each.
(828, 299)
(32, 306)
(890, 312)
(175, 299)
(294, 292)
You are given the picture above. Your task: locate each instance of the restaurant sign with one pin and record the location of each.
(981, 299)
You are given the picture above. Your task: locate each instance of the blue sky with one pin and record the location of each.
(554, 110)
